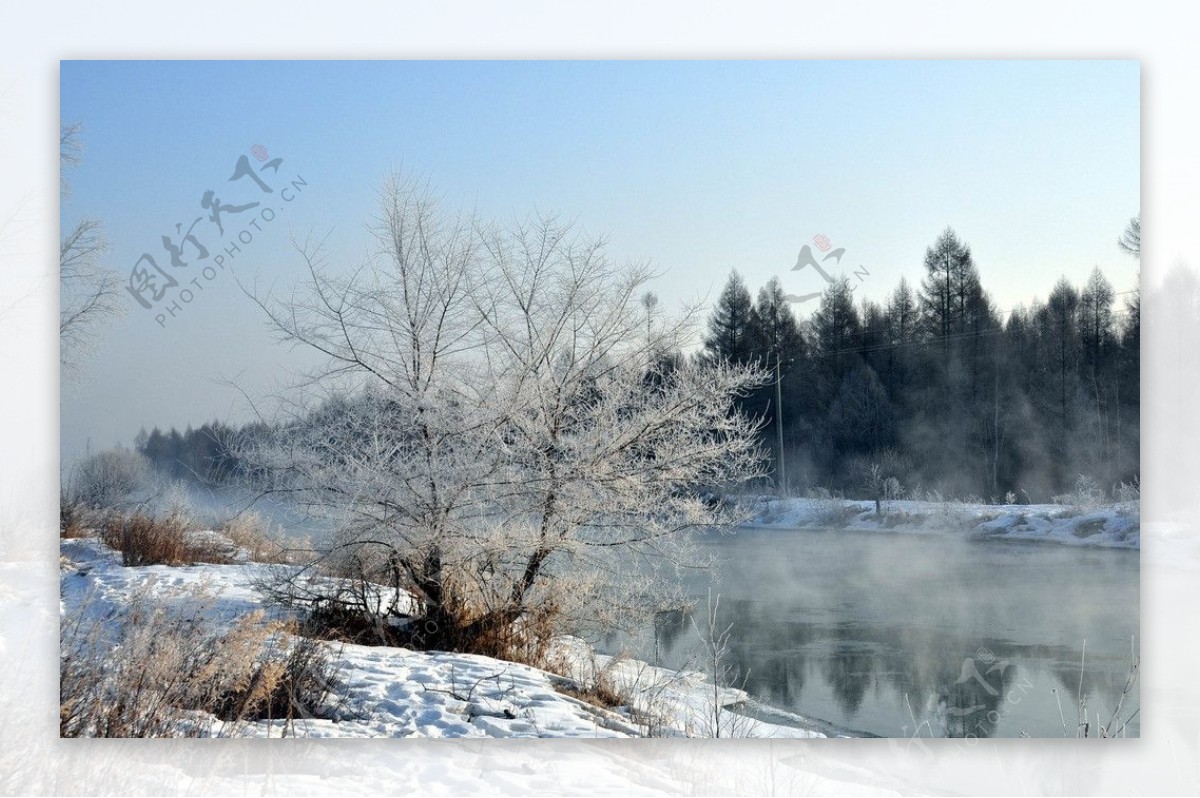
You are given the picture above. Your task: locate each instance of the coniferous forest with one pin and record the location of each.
(940, 388)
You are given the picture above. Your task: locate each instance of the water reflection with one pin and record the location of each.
(915, 649)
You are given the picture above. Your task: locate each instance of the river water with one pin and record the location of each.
(899, 635)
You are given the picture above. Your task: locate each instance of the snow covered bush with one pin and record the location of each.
(513, 433)
(949, 513)
(594, 683)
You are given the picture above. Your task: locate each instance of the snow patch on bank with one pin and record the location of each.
(1108, 526)
(397, 692)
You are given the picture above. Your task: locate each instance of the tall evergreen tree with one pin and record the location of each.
(779, 347)
(729, 335)
(950, 286)
(837, 329)
(773, 330)
(1096, 320)
(902, 315)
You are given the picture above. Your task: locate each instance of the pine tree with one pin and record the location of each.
(837, 331)
(729, 336)
(837, 339)
(1131, 240)
(1060, 331)
(861, 416)
(951, 284)
(902, 315)
(779, 348)
(1096, 321)
(773, 331)
(901, 329)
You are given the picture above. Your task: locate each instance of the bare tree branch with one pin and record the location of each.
(89, 294)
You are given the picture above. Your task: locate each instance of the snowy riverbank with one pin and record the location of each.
(395, 692)
(1115, 525)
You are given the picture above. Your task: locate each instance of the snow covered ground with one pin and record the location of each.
(1111, 525)
(396, 692)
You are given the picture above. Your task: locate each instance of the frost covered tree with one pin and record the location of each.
(106, 479)
(511, 446)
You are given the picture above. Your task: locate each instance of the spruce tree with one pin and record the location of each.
(729, 337)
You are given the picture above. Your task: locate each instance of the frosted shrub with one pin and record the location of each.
(107, 479)
(949, 513)
(176, 502)
(1085, 496)
(1128, 492)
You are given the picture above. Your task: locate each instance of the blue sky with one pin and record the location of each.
(696, 167)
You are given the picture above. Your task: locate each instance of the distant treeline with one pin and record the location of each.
(936, 389)
(202, 454)
(941, 389)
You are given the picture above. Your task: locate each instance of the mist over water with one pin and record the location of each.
(897, 635)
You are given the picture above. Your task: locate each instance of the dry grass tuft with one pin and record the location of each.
(74, 520)
(600, 690)
(527, 639)
(70, 522)
(145, 540)
(165, 673)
